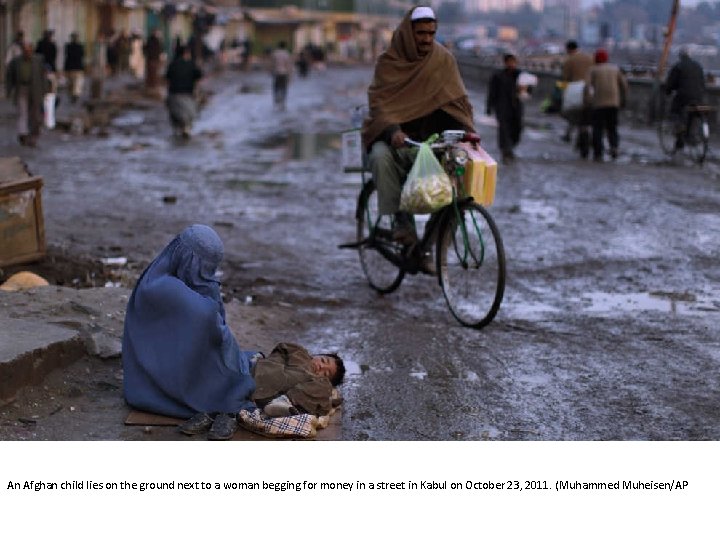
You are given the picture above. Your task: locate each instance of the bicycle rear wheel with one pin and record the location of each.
(696, 139)
(666, 134)
(471, 265)
(375, 246)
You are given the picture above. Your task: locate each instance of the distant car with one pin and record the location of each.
(467, 44)
(552, 48)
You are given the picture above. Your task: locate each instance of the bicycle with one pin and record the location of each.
(469, 252)
(692, 125)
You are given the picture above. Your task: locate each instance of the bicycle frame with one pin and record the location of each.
(469, 252)
(409, 258)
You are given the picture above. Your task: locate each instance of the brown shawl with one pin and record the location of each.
(407, 86)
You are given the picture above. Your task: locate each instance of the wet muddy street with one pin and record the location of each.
(610, 326)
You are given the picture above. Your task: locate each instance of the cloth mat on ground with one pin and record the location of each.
(257, 424)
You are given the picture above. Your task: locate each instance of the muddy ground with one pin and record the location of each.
(608, 329)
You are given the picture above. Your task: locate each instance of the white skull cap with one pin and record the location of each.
(422, 12)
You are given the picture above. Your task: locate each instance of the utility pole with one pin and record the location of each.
(657, 104)
(668, 40)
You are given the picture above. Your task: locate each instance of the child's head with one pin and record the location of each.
(328, 365)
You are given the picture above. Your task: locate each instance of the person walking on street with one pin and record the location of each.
(112, 53)
(687, 80)
(605, 90)
(122, 43)
(182, 75)
(153, 52)
(74, 66)
(503, 99)
(575, 69)
(15, 49)
(281, 68)
(137, 57)
(26, 84)
(99, 67)
(48, 50)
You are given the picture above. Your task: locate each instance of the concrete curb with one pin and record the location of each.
(30, 350)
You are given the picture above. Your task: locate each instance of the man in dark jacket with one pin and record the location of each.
(503, 99)
(48, 50)
(687, 80)
(182, 75)
(74, 66)
(153, 51)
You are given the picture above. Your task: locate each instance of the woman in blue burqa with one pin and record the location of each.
(180, 358)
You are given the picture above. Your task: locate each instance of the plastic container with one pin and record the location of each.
(480, 174)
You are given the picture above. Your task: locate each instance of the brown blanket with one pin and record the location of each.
(407, 86)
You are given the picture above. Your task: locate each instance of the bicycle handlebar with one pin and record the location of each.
(435, 145)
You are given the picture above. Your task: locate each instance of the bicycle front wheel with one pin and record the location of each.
(666, 134)
(697, 138)
(471, 265)
(375, 246)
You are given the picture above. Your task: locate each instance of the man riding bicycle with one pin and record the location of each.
(416, 91)
(687, 80)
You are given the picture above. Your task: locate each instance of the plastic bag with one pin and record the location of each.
(428, 187)
(573, 97)
(49, 111)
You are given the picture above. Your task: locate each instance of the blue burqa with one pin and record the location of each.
(179, 356)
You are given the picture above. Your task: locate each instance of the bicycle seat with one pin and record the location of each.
(700, 108)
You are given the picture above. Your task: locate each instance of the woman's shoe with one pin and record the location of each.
(223, 428)
(199, 423)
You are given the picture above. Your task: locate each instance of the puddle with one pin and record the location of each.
(529, 310)
(352, 369)
(130, 119)
(677, 303)
(306, 146)
(539, 211)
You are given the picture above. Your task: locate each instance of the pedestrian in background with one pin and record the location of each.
(112, 53)
(99, 66)
(281, 67)
(16, 48)
(26, 84)
(605, 91)
(137, 58)
(122, 44)
(182, 76)
(48, 50)
(153, 52)
(687, 80)
(575, 69)
(503, 99)
(74, 66)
